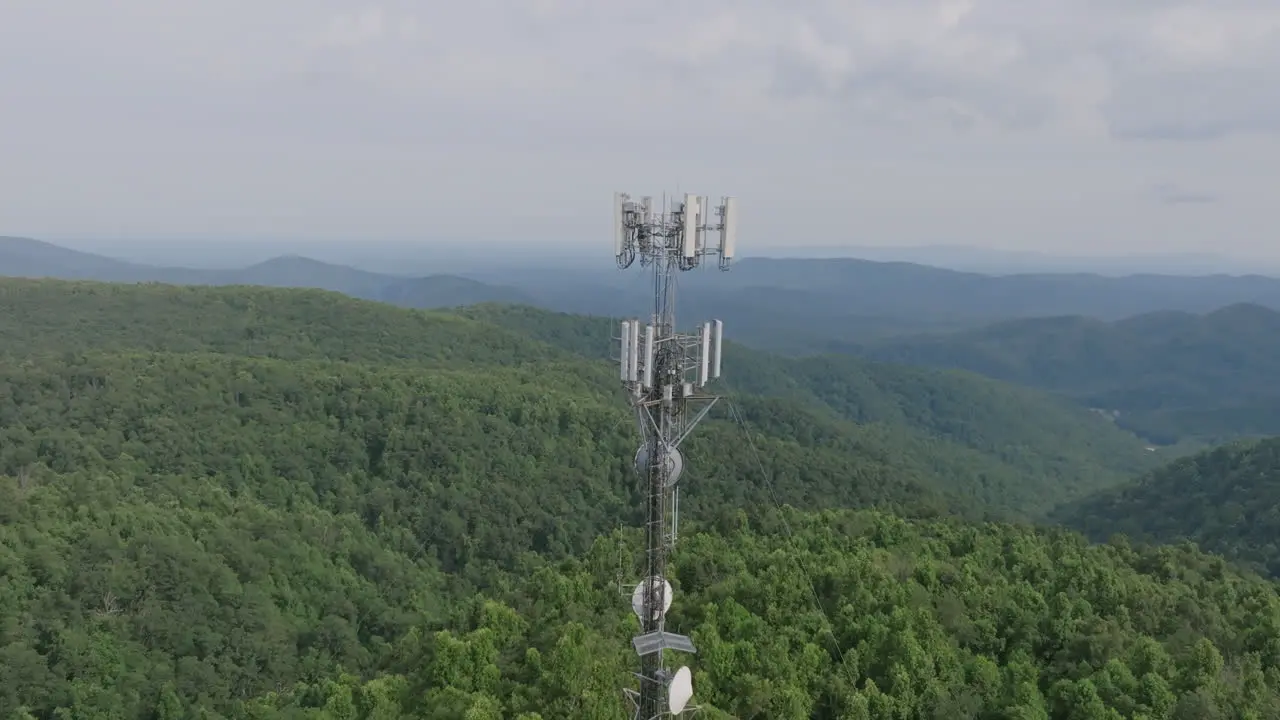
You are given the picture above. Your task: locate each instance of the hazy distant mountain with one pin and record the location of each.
(439, 291)
(295, 271)
(905, 289)
(23, 257)
(792, 305)
(1007, 262)
(32, 258)
(455, 256)
(1171, 376)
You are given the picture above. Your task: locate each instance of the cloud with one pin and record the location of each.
(1163, 69)
(1173, 194)
(1147, 69)
(1196, 104)
(1014, 122)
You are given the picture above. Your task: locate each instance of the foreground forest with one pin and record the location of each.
(251, 503)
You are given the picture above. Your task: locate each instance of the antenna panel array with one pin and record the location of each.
(641, 231)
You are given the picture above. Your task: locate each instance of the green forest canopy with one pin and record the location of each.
(257, 503)
(1172, 377)
(1226, 500)
(1008, 449)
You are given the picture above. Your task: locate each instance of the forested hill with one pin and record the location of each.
(1169, 376)
(1032, 430)
(252, 503)
(978, 441)
(1227, 500)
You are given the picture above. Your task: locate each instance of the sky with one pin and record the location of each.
(1066, 126)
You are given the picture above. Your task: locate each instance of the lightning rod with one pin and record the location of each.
(665, 373)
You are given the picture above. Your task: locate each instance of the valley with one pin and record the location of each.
(1223, 500)
(1172, 377)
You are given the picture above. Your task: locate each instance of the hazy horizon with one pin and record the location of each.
(1064, 126)
(409, 257)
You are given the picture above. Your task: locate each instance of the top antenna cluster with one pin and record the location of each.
(641, 230)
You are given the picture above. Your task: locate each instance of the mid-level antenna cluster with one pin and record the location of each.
(665, 373)
(639, 365)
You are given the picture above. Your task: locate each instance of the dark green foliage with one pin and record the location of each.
(483, 463)
(1006, 447)
(255, 504)
(1172, 377)
(856, 615)
(118, 586)
(1226, 500)
(923, 424)
(41, 317)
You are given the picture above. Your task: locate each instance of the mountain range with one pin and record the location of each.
(787, 305)
(21, 257)
(1008, 262)
(1178, 360)
(1170, 376)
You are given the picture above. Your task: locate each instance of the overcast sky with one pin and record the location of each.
(1062, 125)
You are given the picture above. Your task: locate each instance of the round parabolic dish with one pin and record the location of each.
(680, 691)
(637, 596)
(670, 456)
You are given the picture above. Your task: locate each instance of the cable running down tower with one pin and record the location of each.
(665, 373)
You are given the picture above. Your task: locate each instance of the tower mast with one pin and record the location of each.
(665, 373)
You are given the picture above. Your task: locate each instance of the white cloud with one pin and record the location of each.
(1002, 113)
(1012, 64)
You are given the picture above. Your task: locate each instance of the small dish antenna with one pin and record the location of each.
(680, 691)
(659, 586)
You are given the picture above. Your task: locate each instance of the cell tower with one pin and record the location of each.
(665, 373)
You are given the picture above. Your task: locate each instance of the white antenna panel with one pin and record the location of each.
(690, 226)
(680, 691)
(705, 370)
(637, 597)
(624, 359)
(619, 229)
(648, 356)
(704, 209)
(717, 344)
(634, 354)
(646, 207)
(729, 229)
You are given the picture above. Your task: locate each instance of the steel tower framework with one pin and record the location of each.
(665, 373)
